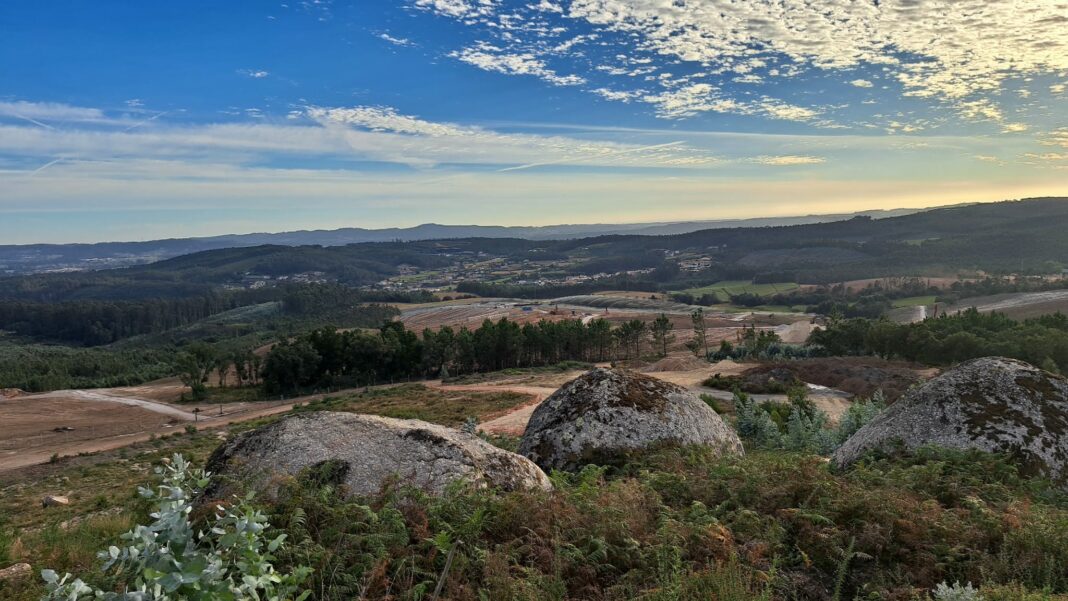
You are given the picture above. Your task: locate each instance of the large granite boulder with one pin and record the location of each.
(606, 414)
(991, 404)
(361, 452)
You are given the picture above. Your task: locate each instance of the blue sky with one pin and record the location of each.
(127, 121)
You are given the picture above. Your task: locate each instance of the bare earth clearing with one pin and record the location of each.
(69, 422)
(793, 328)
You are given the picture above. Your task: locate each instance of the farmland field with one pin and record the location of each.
(1017, 305)
(724, 290)
(914, 301)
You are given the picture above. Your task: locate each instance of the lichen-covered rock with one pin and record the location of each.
(361, 452)
(605, 414)
(991, 404)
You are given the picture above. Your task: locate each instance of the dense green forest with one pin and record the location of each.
(37, 367)
(95, 322)
(326, 357)
(950, 339)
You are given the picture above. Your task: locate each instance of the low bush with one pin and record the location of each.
(171, 559)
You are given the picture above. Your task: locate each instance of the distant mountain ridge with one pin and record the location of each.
(34, 258)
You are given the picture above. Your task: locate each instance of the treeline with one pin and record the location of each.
(949, 339)
(39, 368)
(327, 357)
(327, 299)
(94, 323)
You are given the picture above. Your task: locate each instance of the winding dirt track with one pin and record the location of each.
(103, 395)
(36, 448)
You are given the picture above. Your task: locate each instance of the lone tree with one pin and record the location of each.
(661, 331)
(699, 344)
(194, 367)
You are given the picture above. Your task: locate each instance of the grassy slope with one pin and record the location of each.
(913, 301)
(415, 401)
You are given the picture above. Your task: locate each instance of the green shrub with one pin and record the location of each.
(799, 426)
(170, 560)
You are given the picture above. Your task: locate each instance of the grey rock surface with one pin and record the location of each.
(992, 404)
(16, 571)
(605, 414)
(368, 450)
(54, 501)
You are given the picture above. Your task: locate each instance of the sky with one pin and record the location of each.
(143, 120)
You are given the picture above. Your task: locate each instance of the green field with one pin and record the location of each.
(724, 290)
(914, 301)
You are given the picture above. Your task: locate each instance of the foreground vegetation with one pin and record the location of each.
(676, 524)
(673, 523)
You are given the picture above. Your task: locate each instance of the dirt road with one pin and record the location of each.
(103, 420)
(105, 396)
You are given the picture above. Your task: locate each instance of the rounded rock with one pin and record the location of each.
(607, 414)
(361, 452)
(991, 404)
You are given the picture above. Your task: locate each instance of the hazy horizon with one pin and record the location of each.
(495, 225)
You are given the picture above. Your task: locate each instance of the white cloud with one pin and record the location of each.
(384, 119)
(1057, 137)
(788, 160)
(956, 53)
(253, 73)
(547, 6)
(395, 40)
(418, 142)
(457, 8)
(692, 99)
(748, 78)
(688, 101)
(1048, 156)
(616, 95)
(49, 111)
(787, 112)
(491, 58)
(959, 45)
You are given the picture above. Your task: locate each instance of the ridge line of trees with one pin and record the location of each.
(328, 357)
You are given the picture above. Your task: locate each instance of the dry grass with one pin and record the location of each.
(416, 401)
